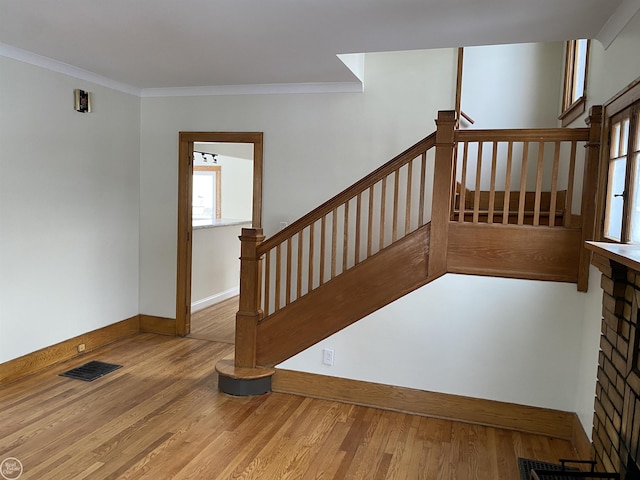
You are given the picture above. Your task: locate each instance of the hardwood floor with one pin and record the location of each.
(161, 417)
(216, 323)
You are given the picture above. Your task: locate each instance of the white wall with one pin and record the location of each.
(495, 338)
(512, 86)
(613, 69)
(314, 146)
(215, 269)
(237, 188)
(68, 209)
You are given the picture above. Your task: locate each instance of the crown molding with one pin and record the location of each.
(265, 89)
(64, 68)
(623, 14)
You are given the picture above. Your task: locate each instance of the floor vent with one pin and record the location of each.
(526, 465)
(91, 371)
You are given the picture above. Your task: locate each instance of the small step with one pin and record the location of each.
(243, 381)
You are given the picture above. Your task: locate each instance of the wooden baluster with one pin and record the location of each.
(423, 181)
(589, 187)
(463, 183)
(267, 282)
(287, 298)
(334, 241)
(383, 207)
(323, 235)
(538, 194)
(554, 185)
(249, 312)
(454, 183)
(407, 213)
(396, 191)
(278, 276)
(523, 183)
(311, 255)
(442, 182)
(492, 188)
(345, 235)
(370, 223)
(507, 186)
(476, 196)
(572, 173)
(300, 250)
(358, 219)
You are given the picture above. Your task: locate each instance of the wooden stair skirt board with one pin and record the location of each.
(533, 253)
(243, 382)
(377, 281)
(536, 420)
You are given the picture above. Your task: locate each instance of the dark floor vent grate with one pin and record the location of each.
(526, 465)
(91, 371)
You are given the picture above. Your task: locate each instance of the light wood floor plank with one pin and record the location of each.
(216, 323)
(161, 417)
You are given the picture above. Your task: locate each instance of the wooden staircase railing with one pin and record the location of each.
(383, 207)
(470, 201)
(535, 192)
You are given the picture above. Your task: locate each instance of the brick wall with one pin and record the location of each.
(616, 423)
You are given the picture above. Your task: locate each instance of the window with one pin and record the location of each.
(622, 201)
(206, 194)
(575, 80)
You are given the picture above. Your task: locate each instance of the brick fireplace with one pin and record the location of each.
(616, 423)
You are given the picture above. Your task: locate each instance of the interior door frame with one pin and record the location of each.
(185, 201)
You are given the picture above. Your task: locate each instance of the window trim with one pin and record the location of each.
(573, 109)
(614, 106)
(217, 169)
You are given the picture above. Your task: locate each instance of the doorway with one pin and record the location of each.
(185, 208)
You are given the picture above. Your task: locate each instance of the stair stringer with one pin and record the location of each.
(379, 280)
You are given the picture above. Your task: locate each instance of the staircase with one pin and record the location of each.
(510, 203)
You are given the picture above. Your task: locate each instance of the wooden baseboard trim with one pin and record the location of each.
(40, 359)
(160, 325)
(543, 421)
(580, 440)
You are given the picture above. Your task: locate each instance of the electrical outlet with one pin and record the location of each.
(327, 356)
(81, 348)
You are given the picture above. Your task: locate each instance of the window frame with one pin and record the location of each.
(217, 170)
(572, 107)
(627, 99)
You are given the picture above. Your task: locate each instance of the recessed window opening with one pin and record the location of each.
(622, 202)
(575, 80)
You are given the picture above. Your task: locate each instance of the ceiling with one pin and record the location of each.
(193, 43)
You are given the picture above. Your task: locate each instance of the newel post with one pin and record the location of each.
(589, 193)
(249, 313)
(442, 191)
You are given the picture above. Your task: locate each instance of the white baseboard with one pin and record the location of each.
(213, 299)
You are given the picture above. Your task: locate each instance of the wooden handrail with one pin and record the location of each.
(523, 135)
(349, 193)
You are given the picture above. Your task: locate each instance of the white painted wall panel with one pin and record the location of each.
(69, 196)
